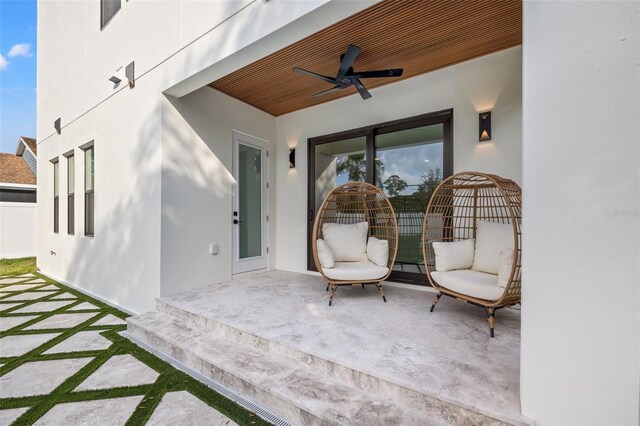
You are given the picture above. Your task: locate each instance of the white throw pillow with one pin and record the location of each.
(491, 239)
(504, 270)
(325, 256)
(348, 243)
(454, 255)
(378, 251)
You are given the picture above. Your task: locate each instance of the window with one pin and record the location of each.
(56, 194)
(18, 195)
(71, 185)
(406, 158)
(88, 191)
(108, 8)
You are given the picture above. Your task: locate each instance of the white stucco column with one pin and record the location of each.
(581, 283)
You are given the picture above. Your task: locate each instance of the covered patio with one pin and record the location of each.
(272, 338)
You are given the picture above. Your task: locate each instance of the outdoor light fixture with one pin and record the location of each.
(57, 125)
(292, 158)
(115, 79)
(485, 126)
(130, 74)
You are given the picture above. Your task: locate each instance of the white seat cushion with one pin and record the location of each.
(471, 283)
(325, 256)
(454, 255)
(491, 239)
(378, 251)
(352, 271)
(348, 243)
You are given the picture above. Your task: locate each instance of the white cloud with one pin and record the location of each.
(20, 49)
(3, 63)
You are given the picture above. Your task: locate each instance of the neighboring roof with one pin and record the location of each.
(26, 143)
(13, 169)
(31, 143)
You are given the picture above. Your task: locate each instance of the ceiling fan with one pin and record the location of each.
(347, 76)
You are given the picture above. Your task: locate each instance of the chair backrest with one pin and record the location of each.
(455, 208)
(355, 202)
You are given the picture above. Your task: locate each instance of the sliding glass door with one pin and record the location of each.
(406, 158)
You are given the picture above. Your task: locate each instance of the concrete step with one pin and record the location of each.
(287, 388)
(382, 387)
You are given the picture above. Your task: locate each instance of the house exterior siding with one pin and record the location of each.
(31, 161)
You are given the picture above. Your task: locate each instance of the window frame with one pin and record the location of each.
(89, 194)
(71, 207)
(103, 24)
(56, 195)
(444, 117)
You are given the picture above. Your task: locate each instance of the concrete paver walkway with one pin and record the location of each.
(65, 362)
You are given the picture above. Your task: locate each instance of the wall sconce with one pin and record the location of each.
(485, 126)
(292, 158)
(129, 73)
(57, 125)
(116, 78)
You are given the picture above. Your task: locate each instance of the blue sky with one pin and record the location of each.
(18, 33)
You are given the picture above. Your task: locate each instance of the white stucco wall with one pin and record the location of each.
(581, 265)
(184, 40)
(197, 185)
(17, 230)
(492, 82)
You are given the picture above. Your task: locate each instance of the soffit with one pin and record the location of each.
(419, 36)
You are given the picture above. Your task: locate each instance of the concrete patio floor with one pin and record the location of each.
(62, 361)
(398, 345)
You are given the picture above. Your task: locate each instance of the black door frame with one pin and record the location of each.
(444, 117)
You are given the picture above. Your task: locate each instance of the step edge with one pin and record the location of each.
(319, 414)
(489, 414)
(261, 411)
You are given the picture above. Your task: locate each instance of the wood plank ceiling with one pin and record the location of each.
(417, 35)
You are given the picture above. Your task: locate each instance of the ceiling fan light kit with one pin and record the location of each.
(347, 77)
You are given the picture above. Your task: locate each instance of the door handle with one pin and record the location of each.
(236, 221)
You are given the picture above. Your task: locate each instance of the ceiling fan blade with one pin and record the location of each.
(397, 72)
(347, 60)
(325, 92)
(361, 89)
(313, 74)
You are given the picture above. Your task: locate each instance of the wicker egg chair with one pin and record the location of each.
(455, 208)
(351, 203)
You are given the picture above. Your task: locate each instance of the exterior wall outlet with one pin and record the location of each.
(213, 248)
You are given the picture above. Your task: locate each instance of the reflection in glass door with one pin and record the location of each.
(406, 158)
(249, 191)
(410, 166)
(337, 163)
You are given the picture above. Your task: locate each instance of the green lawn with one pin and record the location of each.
(24, 265)
(170, 379)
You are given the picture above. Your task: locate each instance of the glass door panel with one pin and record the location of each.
(407, 158)
(249, 198)
(409, 166)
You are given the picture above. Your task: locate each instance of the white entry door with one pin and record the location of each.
(250, 203)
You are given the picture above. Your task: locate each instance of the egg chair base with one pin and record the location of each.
(332, 287)
(489, 307)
